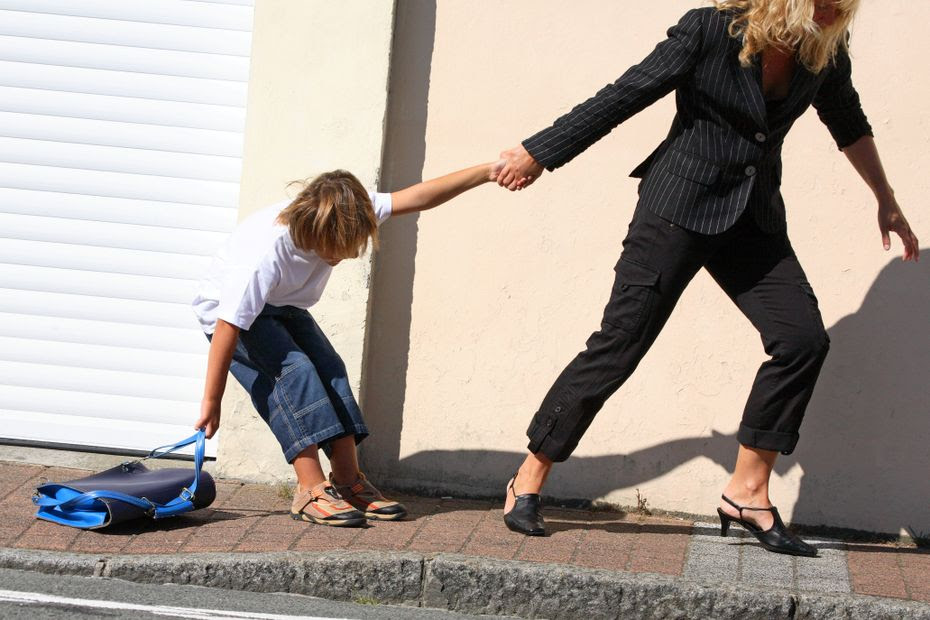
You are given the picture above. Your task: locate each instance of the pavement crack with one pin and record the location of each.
(423, 522)
(474, 529)
(101, 568)
(423, 567)
(578, 544)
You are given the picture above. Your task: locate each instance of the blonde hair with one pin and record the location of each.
(789, 24)
(333, 216)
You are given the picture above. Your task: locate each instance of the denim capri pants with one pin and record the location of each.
(297, 381)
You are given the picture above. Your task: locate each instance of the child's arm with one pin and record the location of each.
(432, 193)
(222, 346)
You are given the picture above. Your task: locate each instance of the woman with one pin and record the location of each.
(743, 72)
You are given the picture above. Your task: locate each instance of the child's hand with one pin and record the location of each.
(209, 417)
(495, 169)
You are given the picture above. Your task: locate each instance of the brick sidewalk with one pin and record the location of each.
(254, 518)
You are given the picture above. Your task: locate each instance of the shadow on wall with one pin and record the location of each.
(865, 453)
(388, 342)
(864, 444)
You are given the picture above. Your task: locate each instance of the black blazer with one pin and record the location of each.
(722, 154)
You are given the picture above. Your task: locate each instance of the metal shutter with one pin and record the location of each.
(121, 126)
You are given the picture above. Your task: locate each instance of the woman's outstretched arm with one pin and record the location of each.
(863, 155)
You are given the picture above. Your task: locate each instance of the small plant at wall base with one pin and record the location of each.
(284, 490)
(921, 539)
(642, 504)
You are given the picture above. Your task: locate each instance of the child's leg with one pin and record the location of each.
(346, 476)
(316, 499)
(285, 387)
(344, 462)
(343, 459)
(308, 469)
(335, 381)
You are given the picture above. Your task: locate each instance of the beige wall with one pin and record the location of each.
(479, 304)
(317, 101)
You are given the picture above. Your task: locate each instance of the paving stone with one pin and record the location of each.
(710, 561)
(325, 538)
(827, 573)
(876, 571)
(559, 547)
(491, 538)
(46, 535)
(762, 568)
(387, 535)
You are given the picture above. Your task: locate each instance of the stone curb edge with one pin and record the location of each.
(466, 584)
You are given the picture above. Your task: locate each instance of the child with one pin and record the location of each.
(250, 304)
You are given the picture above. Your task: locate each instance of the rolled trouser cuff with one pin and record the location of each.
(546, 439)
(767, 440)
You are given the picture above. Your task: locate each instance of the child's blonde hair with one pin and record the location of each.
(333, 216)
(789, 24)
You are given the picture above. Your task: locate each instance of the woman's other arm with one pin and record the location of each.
(863, 155)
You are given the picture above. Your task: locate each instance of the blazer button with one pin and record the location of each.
(750, 170)
(760, 137)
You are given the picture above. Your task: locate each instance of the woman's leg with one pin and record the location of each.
(749, 485)
(658, 260)
(761, 274)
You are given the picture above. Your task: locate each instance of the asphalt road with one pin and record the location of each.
(36, 596)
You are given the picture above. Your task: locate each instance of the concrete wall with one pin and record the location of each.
(317, 101)
(478, 305)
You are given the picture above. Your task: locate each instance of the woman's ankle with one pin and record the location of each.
(755, 496)
(532, 474)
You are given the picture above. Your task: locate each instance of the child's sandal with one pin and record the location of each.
(322, 504)
(363, 496)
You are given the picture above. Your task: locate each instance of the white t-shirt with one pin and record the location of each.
(259, 265)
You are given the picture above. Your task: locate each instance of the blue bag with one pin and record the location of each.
(129, 491)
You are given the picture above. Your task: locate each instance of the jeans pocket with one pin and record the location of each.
(631, 297)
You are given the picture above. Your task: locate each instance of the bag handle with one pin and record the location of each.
(183, 503)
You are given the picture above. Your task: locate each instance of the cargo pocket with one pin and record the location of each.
(540, 428)
(631, 297)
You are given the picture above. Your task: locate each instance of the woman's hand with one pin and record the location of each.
(890, 219)
(209, 417)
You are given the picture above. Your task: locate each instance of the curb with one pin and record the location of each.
(467, 584)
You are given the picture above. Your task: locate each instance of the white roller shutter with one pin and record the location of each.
(121, 125)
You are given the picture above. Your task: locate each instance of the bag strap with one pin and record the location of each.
(183, 503)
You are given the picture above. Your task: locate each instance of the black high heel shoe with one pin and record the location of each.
(777, 538)
(524, 517)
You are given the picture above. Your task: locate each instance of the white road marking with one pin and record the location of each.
(35, 598)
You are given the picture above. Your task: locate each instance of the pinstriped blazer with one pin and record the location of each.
(722, 154)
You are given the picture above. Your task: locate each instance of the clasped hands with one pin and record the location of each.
(519, 169)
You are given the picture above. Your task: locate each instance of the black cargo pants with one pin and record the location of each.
(758, 271)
